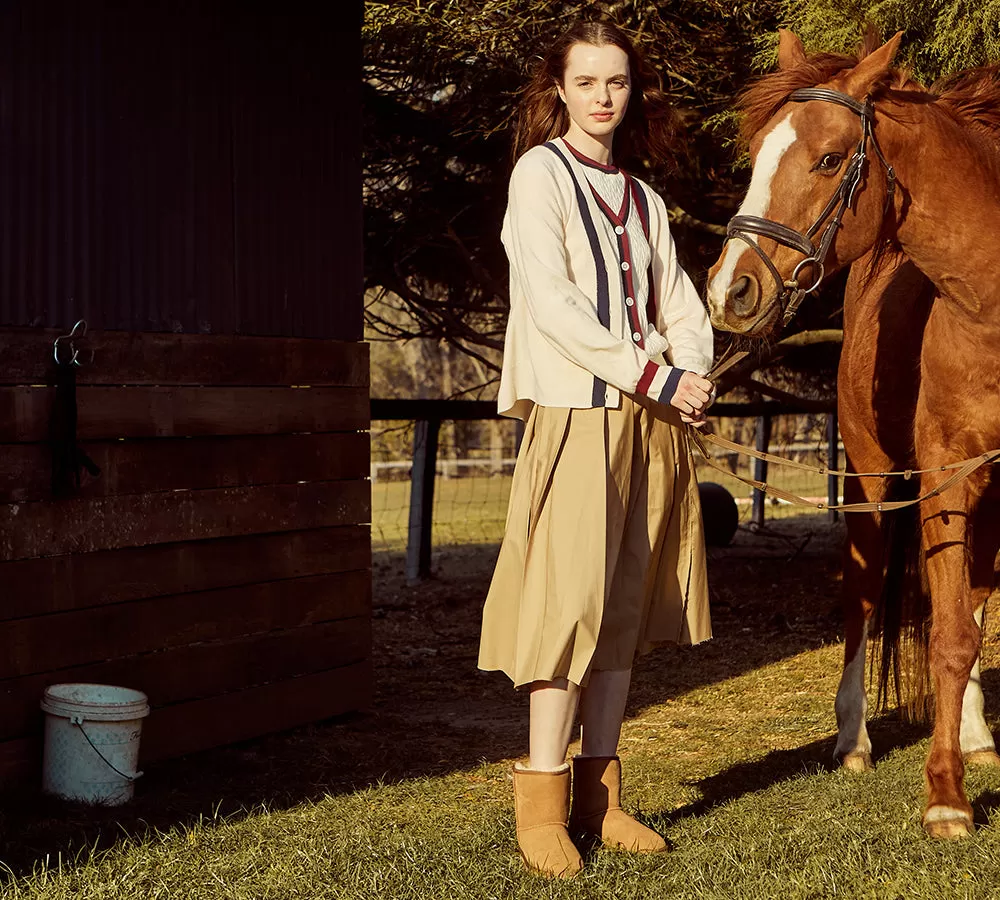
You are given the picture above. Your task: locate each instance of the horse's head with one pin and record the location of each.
(812, 182)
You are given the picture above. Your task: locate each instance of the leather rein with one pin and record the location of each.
(790, 295)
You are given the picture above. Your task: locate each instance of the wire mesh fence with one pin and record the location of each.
(475, 465)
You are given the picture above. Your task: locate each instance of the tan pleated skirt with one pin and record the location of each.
(603, 556)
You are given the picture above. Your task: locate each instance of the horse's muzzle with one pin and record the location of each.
(745, 310)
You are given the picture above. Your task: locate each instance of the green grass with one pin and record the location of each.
(733, 774)
(726, 751)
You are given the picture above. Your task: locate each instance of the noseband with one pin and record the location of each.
(789, 294)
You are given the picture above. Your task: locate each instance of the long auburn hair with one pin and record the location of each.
(650, 127)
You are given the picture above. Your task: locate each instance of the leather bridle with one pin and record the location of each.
(789, 295)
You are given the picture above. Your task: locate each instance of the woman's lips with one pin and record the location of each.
(602, 117)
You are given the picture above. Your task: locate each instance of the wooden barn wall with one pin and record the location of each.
(186, 166)
(219, 562)
(186, 177)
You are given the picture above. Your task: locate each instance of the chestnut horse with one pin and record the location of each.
(912, 174)
(878, 385)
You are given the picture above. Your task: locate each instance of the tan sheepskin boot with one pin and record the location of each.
(541, 804)
(597, 783)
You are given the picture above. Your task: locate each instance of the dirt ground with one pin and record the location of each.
(774, 593)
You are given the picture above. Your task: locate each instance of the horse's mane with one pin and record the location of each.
(758, 103)
(973, 98)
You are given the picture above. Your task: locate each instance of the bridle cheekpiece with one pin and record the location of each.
(790, 295)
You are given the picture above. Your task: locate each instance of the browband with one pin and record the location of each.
(803, 94)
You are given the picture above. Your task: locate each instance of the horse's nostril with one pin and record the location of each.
(743, 294)
(738, 288)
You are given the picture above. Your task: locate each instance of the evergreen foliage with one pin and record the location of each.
(940, 36)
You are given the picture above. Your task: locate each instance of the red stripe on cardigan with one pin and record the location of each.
(648, 374)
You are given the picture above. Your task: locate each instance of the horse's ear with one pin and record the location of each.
(873, 68)
(791, 53)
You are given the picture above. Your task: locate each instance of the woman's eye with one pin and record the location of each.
(830, 162)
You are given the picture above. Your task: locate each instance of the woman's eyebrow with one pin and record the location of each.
(619, 75)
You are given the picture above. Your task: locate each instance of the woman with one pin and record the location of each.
(603, 555)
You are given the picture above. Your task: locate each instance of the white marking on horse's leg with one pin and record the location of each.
(756, 203)
(852, 706)
(975, 734)
(948, 823)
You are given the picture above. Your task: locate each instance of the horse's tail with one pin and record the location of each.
(902, 614)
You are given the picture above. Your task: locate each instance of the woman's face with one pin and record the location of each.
(596, 87)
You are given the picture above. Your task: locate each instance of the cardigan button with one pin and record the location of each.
(619, 229)
(629, 301)
(636, 336)
(624, 266)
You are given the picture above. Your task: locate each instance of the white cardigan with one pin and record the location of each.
(571, 339)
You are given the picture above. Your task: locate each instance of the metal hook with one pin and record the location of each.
(78, 331)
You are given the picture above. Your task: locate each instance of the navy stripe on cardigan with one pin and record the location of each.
(643, 204)
(603, 293)
(670, 387)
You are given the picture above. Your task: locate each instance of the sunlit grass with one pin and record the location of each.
(726, 749)
(734, 774)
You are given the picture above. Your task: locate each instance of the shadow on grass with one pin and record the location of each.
(888, 733)
(983, 806)
(435, 713)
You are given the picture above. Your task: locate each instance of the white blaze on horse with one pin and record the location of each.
(855, 165)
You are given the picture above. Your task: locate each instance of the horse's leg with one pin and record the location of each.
(954, 648)
(861, 588)
(877, 385)
(978, 747)
(975, 737)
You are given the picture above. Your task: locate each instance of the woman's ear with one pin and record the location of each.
(561, 92)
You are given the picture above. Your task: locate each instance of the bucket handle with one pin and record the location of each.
(78, 722)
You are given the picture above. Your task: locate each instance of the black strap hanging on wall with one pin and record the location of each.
(68, 458)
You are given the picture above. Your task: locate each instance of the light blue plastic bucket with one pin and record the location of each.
(92, 734)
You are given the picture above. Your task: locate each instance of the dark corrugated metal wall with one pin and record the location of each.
(180, 167)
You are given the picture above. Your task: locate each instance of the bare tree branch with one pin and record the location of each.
(811, 338)
(784, 396)
(686, 220)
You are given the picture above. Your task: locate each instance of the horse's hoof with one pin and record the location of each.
(948, 824)
(983, 758)
(857, 762)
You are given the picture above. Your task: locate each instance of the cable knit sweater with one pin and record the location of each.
(582, 325)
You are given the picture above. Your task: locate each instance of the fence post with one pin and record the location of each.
(763, 443)
(418, 535)
(833, 461)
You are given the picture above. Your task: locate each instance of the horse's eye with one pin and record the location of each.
(830, 163)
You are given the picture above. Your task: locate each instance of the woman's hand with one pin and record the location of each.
(698, 422)
(692, 397)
